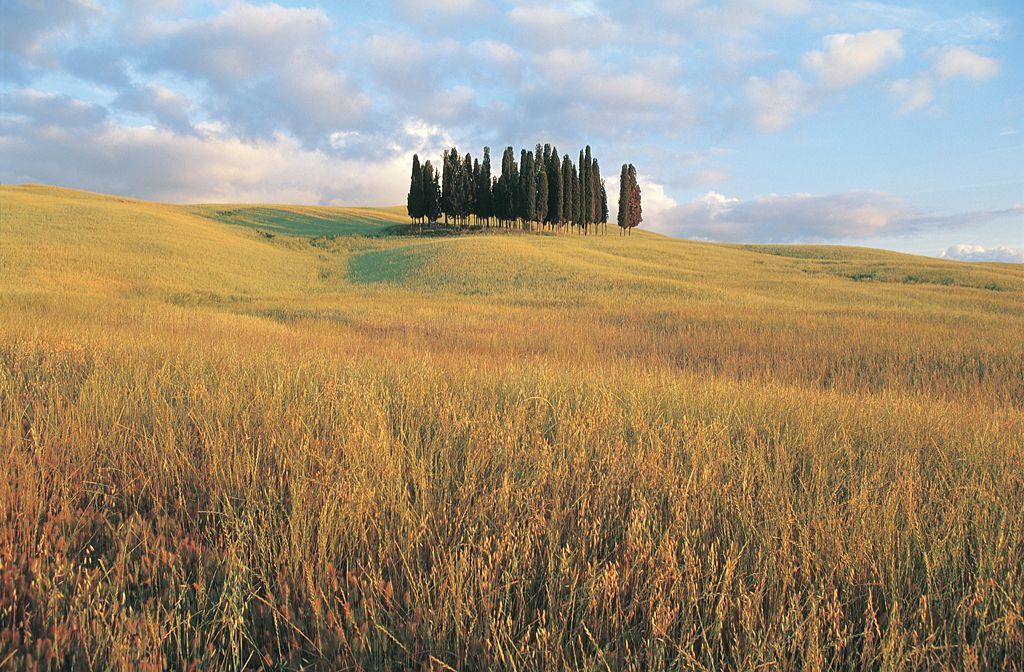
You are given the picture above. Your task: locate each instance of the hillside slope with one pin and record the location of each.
(242, 436)
(77, 241)
(808, 314)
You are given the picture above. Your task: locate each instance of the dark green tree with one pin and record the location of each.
(555, 189)
(467, 189)
(484, 194)
(595, 194)
(568, 198)
(624, 192)
(577, 194)
(587, 184)
(635, 212)
(449, 168)
(555, 195)
(414, 201)
(431, 193)
(475, 181)
(528, 189)
(508, 184)
(542, 193)
(499, 198)
(604, 208)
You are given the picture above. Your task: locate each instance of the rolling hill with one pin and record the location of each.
(104, 244)
(255, 435)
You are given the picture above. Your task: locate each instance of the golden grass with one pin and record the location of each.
(499, 450)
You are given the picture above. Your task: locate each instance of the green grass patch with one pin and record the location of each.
(388, 266)
(312, 222)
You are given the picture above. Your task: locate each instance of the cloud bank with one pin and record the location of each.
(1014, 255)
(806, 218)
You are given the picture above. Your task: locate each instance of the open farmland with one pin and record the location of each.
(248, 436)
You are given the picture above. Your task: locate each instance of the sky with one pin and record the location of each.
(894, 125)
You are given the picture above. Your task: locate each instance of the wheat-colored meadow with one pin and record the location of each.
(230, 447)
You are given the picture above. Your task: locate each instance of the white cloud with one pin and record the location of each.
(937, 21)
(778, 101)
(849, 58)
(563, 65)
(979, 253)
(806, 218)
(627, 89)
(951, 63)
(772, 7)
(240, 42)
(167, 107)
(28, 27)
(709, 176)
(678, 7)
(452, 105)
(789, 218)
(446, 6)
(50, 109)
(399, 61)
(962, 62)
(265, 69)
(497, 52)
(211, 164)
(913, 94)
(438, 16)
(574, 22)
(656, 203)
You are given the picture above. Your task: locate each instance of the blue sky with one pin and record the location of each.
(897, 125)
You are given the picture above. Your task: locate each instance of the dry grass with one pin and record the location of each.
(511, 451)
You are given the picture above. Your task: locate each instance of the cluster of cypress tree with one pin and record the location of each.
(630, 212)
(424, 200)
(541, 190)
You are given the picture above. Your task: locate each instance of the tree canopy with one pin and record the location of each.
(539, 191)
(630, 212)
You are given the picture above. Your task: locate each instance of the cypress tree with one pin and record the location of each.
(555, 195)
(483, 188)
(445, 182)
(528, 180)
(449, 172)
(521, 191)
(466, 187)
(635, 213)
(604, 207)
(624, 192)
(513, 189)
(542, 193)
(499, 198)
(554, 187)
(474, 180)
(567, 190)
(595, 193)
(577, 194)
(431, 193)
(588, 187)
(498, 203)
(509, 183)
(414, 201)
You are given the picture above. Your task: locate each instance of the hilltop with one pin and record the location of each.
(105, 244)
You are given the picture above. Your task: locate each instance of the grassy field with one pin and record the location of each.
(258, 436)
